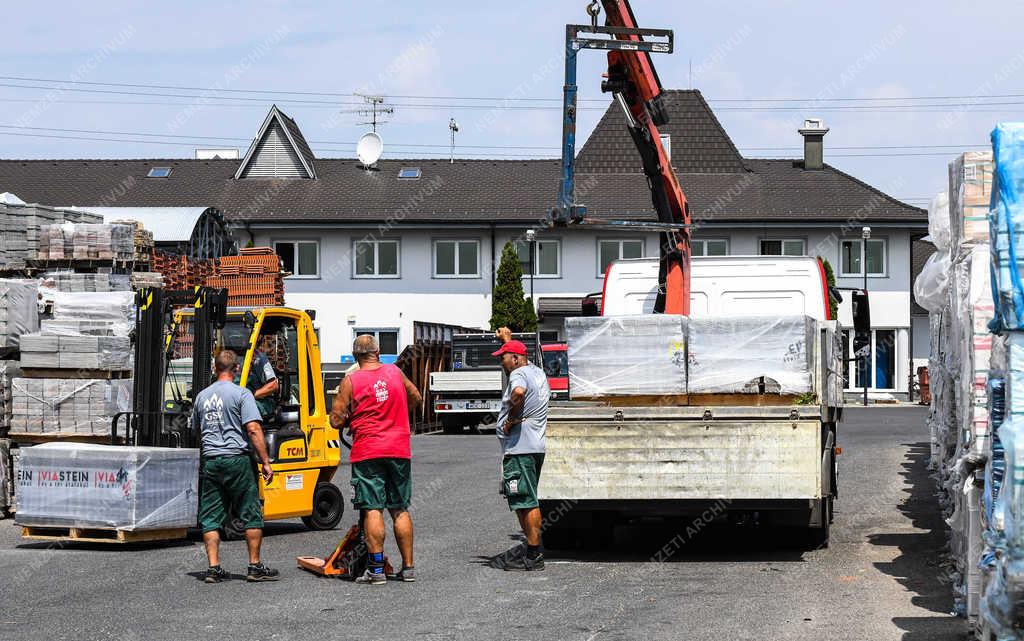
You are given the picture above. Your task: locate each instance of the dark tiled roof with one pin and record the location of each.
(699, 143)
(920, 252)
(720, 185)
(300, 140)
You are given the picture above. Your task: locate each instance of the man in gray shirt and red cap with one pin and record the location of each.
(520, 429)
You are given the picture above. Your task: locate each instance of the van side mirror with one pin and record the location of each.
(861, 320)
(589, 306)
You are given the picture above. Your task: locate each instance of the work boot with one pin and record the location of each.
(406, 574)
(216, 574)
(525, 564)
(372, 578)
(260, 572)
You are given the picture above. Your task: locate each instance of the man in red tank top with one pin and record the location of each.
(374, 402)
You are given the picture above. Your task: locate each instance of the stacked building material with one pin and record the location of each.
(180, 272)
(67, 406)
(150, 280)
(76, 352)
(142, 241)
(123, 488)
(19, 230)
(85, 241)
(253, 278)
(954, 287)
(9, 370)
(67, 281)
(751, 354)
(19, 313)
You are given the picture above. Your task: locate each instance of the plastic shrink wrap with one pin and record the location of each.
(18, 311)
(751, 354)
(626, 355)
(1007, 224)
(67, 405)
(102, 486)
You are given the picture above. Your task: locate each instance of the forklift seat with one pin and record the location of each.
(283, 428)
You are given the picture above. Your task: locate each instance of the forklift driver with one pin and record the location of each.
(262, 381)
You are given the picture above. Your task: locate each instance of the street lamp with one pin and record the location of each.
(531, 237)
(865, 233)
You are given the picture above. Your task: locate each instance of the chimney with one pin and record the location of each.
(813, 131)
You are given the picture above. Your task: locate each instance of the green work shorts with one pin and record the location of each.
(520, 474)
(380, 483)
(227, 485)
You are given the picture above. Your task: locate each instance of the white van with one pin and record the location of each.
(724, 286)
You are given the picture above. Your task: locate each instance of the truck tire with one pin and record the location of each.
(328, 507)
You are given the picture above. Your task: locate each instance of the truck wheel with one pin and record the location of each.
(451, 425)
(328, 507)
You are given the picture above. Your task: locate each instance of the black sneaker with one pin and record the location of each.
(216, 574)
(260, 572)
(372, 578)
(525, 564)
(406, 575)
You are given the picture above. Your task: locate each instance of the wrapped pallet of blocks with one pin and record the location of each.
(67, 406)
(76, 352)
(597, 346)
(102, 486)
(19, 313)
(113, 309)
(85, 241)
(751, 355)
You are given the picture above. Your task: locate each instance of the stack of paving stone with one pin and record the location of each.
(20, 226)
(66, 406)
(76, 352)
(67, 281)
(87, 242)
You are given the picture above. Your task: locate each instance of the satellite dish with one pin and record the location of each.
(369, 148)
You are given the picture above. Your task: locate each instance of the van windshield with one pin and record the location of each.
(556, 363)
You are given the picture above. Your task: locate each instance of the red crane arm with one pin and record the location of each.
(631, 75)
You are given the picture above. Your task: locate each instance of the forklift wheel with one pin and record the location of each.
(328, 507)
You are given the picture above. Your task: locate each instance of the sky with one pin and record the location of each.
(903, 86)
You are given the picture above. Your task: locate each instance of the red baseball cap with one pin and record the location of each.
(511, 347)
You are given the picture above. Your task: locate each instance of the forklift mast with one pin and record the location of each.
(633, 81)
(154, 420)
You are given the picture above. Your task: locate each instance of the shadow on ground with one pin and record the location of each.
(917, 568)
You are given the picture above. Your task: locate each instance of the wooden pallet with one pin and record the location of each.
(63, 372)
(99, 535)
(63, 437)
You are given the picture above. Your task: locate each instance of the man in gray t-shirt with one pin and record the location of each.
(520, 428)
(228, 421)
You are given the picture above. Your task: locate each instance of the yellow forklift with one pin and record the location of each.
(177, 335)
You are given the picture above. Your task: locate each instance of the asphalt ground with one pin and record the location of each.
(881, 578)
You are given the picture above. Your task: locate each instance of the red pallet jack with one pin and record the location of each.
(348, 560)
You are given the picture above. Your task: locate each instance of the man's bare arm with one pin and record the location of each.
(270, 387)
(256, 438)
(515, 408)
(342, 404)
(415, 398)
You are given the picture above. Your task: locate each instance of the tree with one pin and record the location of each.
(508, 302)
(830, 280)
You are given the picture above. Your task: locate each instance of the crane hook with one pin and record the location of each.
(593, 9)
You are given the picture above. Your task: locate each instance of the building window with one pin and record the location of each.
(375, 259)
(850, 257)
(456, 259)
(609, 250)
(300, 257)
(548, 336)
(783, 247)
(387, 339)
(879, 371)
(547, 258)
(710, 247)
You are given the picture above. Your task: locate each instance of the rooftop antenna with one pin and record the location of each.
(454, 127)
(375, 109)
